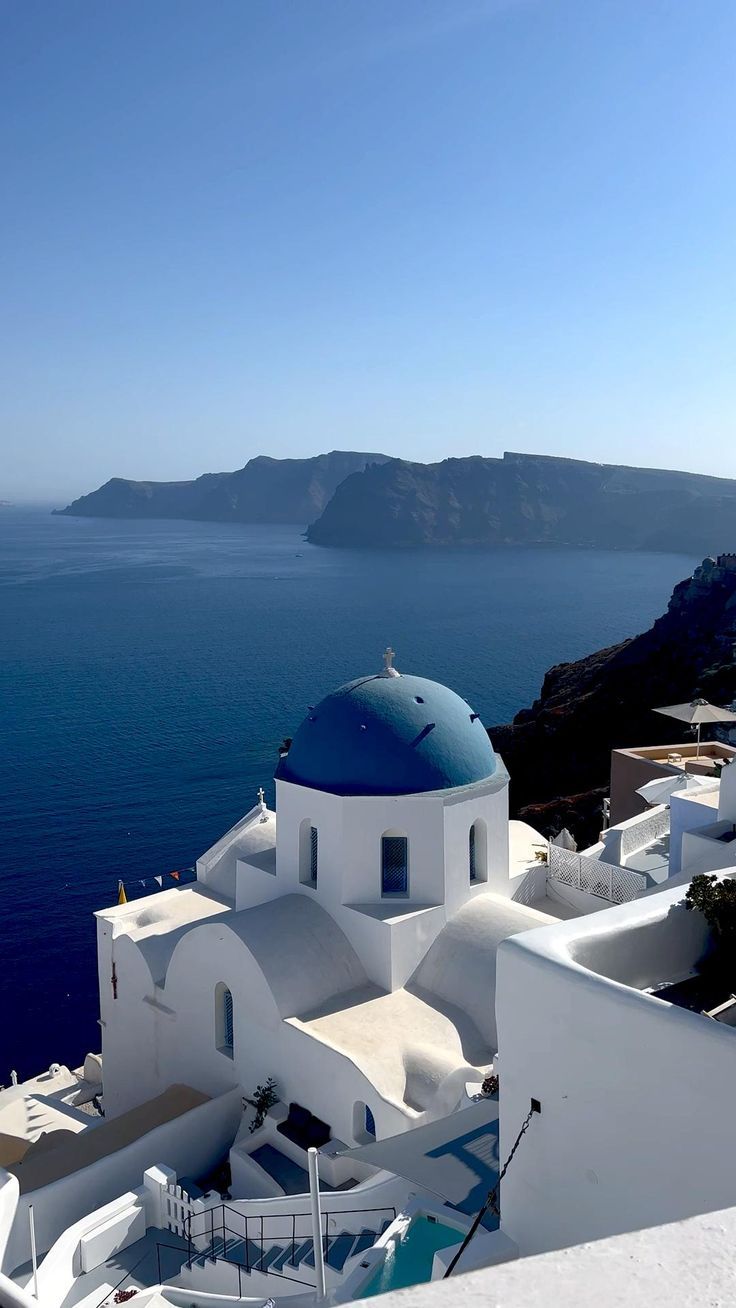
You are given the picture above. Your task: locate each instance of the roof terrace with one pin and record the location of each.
(633, 768)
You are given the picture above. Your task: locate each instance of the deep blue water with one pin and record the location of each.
(149, 671)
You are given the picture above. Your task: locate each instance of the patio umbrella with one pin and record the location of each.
(696, 713)
(661, 789)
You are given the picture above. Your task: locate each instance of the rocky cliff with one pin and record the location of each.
(534, 499)
(265, 490)
(558, 751)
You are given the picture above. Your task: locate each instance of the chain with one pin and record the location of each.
(491, 1200)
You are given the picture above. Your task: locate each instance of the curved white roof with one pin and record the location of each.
(460, 967)
(304, 956)
(445, 1017)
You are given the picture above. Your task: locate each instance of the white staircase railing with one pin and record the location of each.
(617, 885)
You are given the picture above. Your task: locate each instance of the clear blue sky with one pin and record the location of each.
(429, 227)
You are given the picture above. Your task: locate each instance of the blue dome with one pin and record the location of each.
(389, 735)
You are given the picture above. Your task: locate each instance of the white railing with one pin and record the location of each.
(178, 1208)
(616, 884)
(644, 830)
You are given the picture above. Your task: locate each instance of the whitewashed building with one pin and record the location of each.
(343, 945)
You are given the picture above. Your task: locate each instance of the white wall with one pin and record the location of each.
(636, 1094)
(487, 802)
(437, 826)
(704, 854)
(350, 831)
(191, 1143)
(727, 794)
(686, 815)
(132, 1028)
(9, 1192)
(306, 1070)
(62, 1264)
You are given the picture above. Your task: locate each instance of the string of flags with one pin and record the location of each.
(149, 881)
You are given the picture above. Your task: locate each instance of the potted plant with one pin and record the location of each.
(263, 1098)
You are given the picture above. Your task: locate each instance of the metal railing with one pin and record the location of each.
(617, 885)
(248, 1235)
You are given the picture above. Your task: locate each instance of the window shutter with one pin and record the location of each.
(227, 1001)
(394, 865)
(313, 853)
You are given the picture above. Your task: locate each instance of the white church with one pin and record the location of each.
(344, 945)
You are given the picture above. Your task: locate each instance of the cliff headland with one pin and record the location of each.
(558, 751)
(529, 499)
(265, 490)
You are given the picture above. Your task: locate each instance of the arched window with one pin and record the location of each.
(364, 1123)
(477, 851)
(224, 1024)
(308, 853)
(394, 863)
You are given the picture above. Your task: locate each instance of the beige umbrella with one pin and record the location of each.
(696, 713)
(661, 789)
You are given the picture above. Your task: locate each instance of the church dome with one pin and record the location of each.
(389, 735)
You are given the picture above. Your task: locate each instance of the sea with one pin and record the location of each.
(150, 670)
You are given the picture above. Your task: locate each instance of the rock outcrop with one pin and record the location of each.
(264, 491)
(558, 751)
(529, 499)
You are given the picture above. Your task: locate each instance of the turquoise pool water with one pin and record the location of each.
(409, 1258)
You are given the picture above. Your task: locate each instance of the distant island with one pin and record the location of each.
(367, 500)
(264, 491)
(529, 499)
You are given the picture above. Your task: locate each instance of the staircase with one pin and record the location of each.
(292, 1258)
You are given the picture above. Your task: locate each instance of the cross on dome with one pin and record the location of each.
(388, 661)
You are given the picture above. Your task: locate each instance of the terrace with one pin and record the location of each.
(155, 1259)
(633, 768)
(668, 956)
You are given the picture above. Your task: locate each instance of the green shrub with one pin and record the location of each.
(716, 900)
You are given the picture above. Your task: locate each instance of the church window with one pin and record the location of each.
(308, 853)
(394, 865)
(313, 853)
(477, 851)
(364, 1123)
(224, 1020)
(228, 1002)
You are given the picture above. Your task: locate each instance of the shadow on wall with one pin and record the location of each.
(649, 953)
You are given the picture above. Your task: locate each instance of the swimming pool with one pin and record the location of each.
(409, 1256)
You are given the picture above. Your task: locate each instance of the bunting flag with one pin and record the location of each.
(150, 881)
